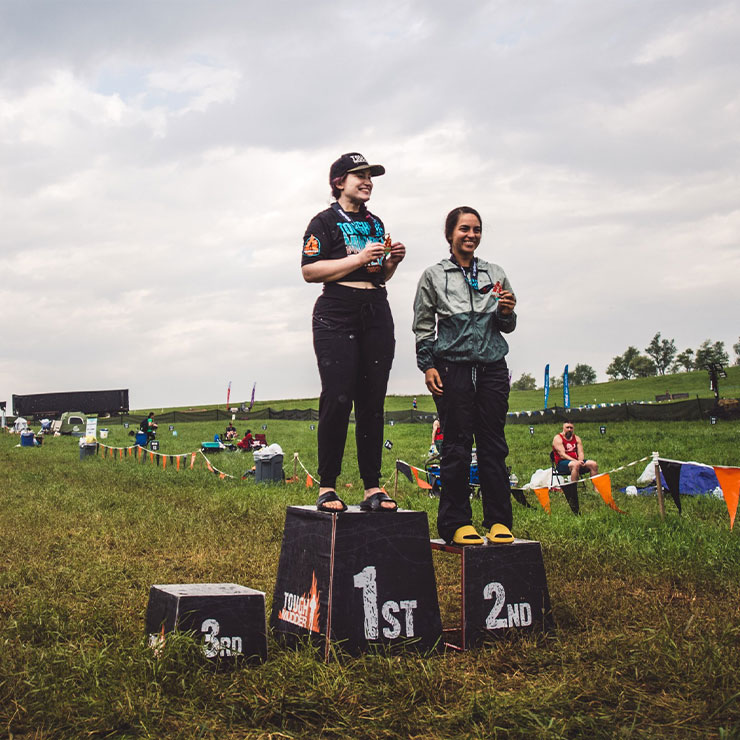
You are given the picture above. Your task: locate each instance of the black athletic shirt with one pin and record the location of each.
(330, 236)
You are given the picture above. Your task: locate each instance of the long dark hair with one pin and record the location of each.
(454, 216)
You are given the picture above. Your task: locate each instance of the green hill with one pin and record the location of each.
(617, 391)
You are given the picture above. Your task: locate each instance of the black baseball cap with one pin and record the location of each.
(353, 162)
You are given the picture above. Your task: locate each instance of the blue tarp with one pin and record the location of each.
(695, 480)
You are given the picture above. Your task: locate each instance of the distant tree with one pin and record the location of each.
(556, 381)
(621, 366)
(583, 375)
(709, 352)
(684, 360)
(736, 350)
(525, 383)
(661, 352)
(643, 367)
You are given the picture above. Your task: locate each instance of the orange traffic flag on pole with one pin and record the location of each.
(729, 482)
(603, 484)
(543, 496)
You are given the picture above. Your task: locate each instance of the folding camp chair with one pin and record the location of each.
(556, 479)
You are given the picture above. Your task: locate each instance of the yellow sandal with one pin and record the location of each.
(466, 536)
(500, 534)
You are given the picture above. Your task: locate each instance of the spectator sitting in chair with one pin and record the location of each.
(230, 432)
(568, 456)
(246, 443)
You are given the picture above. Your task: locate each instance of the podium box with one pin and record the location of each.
(503, 591)
(229, 618)
(356, 579)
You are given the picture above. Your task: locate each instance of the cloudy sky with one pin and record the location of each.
(159, 162)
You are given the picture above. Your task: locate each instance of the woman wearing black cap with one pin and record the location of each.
(345, 247)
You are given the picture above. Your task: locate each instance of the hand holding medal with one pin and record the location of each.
(394, 252)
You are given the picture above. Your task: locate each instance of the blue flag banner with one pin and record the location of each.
(566, 390)
(547, 383)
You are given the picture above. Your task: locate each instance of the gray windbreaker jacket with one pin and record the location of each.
(453, 322)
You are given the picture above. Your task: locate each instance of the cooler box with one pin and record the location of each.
(87, 450)
(26, 439)
(103, 434)
(141, 439)
(210, 447)
(268, 469)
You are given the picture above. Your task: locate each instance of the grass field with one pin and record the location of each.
(646, 610)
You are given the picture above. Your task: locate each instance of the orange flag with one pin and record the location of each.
(192, 460)
(120, 454)
(151, 457)
(309, 481)
(543, 496)
(164, 462)
(222, 476)
(603, 484)
(177, 462)
(419, 482)
(729, 482)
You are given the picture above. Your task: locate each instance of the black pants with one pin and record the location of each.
(474, 404)
(354, 344)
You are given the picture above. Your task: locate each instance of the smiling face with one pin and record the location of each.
(355, 189)
(465, 237)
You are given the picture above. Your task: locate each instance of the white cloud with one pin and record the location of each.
(158, 171)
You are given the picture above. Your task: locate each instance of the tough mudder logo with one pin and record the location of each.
(303, 610)
(358, 234)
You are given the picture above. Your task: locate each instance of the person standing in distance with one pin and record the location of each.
(346, 248)
(463, 305)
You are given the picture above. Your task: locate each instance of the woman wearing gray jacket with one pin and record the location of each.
(463, 305)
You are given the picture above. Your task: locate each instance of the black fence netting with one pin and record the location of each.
(690, 410)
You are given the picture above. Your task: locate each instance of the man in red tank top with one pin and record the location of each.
(567, 450)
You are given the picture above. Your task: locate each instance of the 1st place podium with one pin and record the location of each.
(356, 579)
